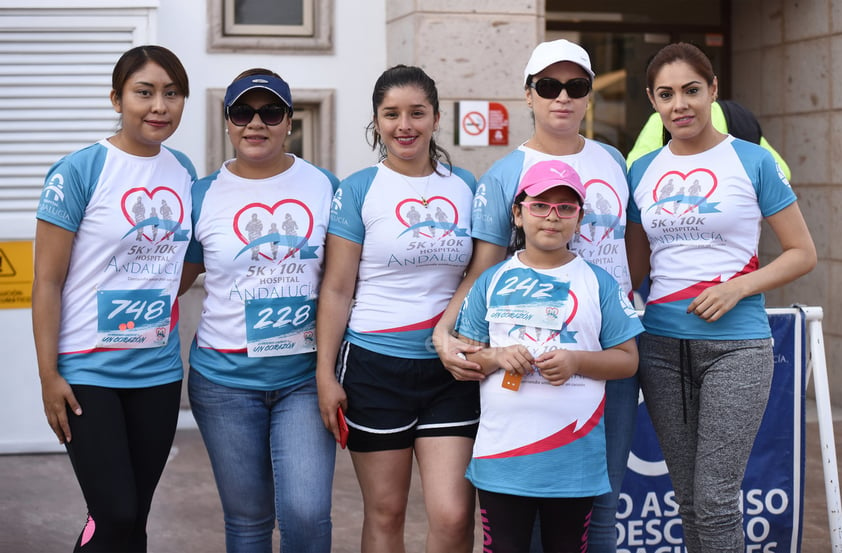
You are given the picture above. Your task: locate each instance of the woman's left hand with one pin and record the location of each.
(716, 301)
(449, 349)
(797, 258)
(331, 397)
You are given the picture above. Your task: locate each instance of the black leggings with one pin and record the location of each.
(119, 447)
(507, 522)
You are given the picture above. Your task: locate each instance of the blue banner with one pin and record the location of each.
(773, 487)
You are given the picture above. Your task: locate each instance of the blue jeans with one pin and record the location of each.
(271, 455)
(621, 397)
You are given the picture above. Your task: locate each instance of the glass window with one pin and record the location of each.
(619, 107)
(620, 37)
(269, 17)
(661, 12)
(300, 26)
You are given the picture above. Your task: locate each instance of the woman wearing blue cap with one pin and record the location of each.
(259, 228)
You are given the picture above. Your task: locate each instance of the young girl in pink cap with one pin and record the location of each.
(558, 327)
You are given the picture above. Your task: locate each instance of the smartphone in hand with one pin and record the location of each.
(343, 427)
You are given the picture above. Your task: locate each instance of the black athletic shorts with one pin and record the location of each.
(393, 400)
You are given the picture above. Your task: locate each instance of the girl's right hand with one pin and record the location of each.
(57, 396)
(514, 358)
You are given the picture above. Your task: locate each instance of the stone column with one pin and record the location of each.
(475, 50)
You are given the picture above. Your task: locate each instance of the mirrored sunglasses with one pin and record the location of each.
(242, 114)
(550, 88)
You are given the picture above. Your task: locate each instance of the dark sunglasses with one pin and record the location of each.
(550, 88)
(242, 114)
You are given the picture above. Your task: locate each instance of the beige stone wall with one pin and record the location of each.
(787, 67)
(475, 50)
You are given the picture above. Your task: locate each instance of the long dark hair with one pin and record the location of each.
(399, 76)
(518, 241)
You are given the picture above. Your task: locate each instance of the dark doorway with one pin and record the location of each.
(621, 36)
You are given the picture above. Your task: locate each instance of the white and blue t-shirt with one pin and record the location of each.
(702, 215)
(415, 234)
(544, 440)
(131, 219)
(601, 239)
(262, 244)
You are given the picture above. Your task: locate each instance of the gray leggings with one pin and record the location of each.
(706, 399)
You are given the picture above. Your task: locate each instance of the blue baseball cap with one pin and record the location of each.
(275, 85)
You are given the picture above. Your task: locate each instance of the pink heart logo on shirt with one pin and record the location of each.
(603, 211)
(680, 193)
(140, 204)
(287, 217)
(573, 307)
(439, 211)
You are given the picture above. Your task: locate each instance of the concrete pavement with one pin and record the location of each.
(41, 507)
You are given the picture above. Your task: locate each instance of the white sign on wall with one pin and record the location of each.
(482, 124)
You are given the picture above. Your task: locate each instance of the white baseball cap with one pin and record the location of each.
(548, 53)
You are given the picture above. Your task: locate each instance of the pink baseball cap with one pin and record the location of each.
(548, 174)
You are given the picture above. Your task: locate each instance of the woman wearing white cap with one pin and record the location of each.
(559, 327)
(252, 377)
(557, 80)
